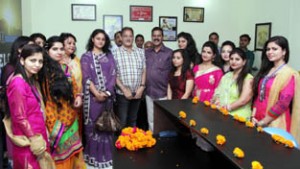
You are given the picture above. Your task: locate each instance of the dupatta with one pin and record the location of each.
(280, 81)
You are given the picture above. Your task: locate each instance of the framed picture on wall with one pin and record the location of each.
(112, 24)
(141, 13)
(169, 26)
(262, 34)
(83, 12)
(193, 14)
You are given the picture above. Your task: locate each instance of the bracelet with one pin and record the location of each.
(79, 94)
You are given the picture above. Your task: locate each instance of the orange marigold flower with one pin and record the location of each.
(239, 118)
(239, 153)
(192, 123)
(256, 165)
(204, 130)
(134, 138)
(278, 139)
(235, 117)
(220, 139)
(289, 144)
(182, 114)
(195, 100)
(259, 129)
(242, 119)
(224, 111)
(249, 124)
(213, 106)
(206, 103)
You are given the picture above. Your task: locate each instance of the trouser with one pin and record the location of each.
(150, 111)
(127, 110)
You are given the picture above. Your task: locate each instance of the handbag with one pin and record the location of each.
(108, 121)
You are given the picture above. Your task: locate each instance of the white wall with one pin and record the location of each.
(229, 18)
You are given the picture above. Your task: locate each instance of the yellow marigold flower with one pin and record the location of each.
(206, 103)
(220, 139)
(249, 124)
(193, 123)
(236, 117)
(289, 144)
(256, 165)
(195, 100)
(204, 130)
(278, 139)
(213, 106)
(182, 114)
(259, 129)
(242, 119)
(224, 111)
(239, 153)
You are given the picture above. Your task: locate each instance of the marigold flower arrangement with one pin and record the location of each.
(204, 130)
(182, 114)
(133, 138)
(281, 140)
(195, 100)
(206, 103)
(239, 153)
(220, 139)
(256, 165)
(193, 123)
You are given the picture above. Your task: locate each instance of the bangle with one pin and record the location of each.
(143, 85)
(79, 94)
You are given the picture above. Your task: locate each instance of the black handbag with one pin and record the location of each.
(108, 121)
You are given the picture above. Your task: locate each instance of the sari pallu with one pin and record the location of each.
(63, 126)
(65, 143)
(281, 80)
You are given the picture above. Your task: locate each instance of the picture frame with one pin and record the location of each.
(193, 14)
(141, 13)
(112, 24)
(83, 12)
(169, 26)
(262, 34)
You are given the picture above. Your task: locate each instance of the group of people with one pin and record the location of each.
(55, 98)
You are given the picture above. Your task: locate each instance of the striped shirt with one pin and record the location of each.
(130, 67)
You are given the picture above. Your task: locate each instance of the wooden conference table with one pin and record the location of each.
(181, 152)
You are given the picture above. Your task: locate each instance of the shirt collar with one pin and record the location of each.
(125, 49)
(162, 49)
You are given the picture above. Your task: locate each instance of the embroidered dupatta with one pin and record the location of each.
(280, 81)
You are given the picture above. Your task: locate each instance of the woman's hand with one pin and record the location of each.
(78, 102)
(101, 96)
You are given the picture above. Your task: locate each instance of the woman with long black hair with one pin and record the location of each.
(61, 98)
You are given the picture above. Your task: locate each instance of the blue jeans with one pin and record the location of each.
(127, 110)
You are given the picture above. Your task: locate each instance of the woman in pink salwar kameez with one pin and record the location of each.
(276, 89)
(207, 74)
(26, 112)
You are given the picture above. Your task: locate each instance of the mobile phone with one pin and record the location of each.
(108, 93)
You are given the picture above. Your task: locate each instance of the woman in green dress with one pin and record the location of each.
(235, 89)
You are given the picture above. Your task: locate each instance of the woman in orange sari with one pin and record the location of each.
(62, 97)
